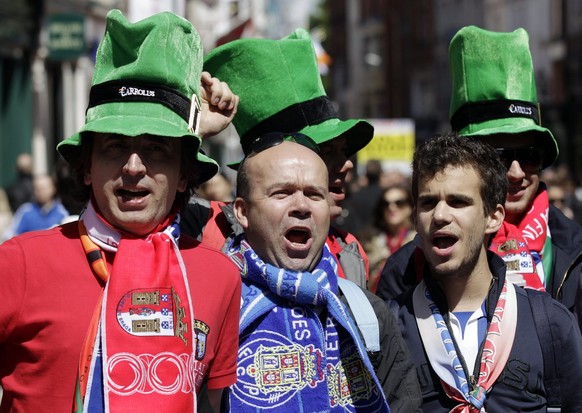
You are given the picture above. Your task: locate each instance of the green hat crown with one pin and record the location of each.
(146, 81)
(281, 90)
(494, 89)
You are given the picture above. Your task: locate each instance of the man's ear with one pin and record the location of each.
(414, 219)
(496, 218)
(87, 177)
(182, 184)
(240, 212)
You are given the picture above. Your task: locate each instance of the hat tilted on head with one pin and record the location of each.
(145, 79)
(280, 90)
(494, 90)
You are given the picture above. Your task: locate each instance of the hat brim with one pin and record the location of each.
(358, 133)
(516, 126)
(153, 119)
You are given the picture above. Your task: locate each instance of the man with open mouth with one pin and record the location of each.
(301, 346)
(474, 335)
(118, 311)
(494, 99)
(280, 90)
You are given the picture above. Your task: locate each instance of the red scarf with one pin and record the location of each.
(141, 326)
(522, 246)
(394, 242)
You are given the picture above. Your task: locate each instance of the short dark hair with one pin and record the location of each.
(81, 192)
(450, 149)
(242, 181)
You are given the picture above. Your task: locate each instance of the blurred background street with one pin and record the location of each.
(383, 60)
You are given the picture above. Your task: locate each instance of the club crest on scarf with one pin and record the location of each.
(153, 312)
(525, 247)
(273, 368)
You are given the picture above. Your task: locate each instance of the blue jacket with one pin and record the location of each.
(30, 216)
(520, 386)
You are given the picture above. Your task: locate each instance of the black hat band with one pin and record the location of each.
(134, 91)
(477, 112)
(292, 119)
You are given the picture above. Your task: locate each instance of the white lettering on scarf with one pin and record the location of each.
(300, 327)
(331, 336)
(534, 231)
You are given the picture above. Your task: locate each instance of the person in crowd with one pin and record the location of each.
(300, 349)
(218, 188)
(557, 198)
(44, 212)
(5, 212)
(118, 311)
(541, 247)
(281, 91)
(561, 189)
(361, 203)
(479, 342)
(392, 228)
(20, 191)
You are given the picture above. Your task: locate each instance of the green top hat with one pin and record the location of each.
(146, 81)
(280, 90)
(494, 90)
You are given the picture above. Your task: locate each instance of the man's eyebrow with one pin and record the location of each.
(292, 184)
(425, 197)
(455, 197)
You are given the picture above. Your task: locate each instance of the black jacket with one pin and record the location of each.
(393, 364)
(567, 242)
(520, 387)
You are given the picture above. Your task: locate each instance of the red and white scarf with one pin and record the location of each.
(139, 350)
(442, 355)
(526, 247)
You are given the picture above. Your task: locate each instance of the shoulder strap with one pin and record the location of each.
(364, 314)
(352, 262)
(234, 227)
(221, 226)
(540, 305)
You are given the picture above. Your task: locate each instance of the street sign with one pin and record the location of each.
(66, 36)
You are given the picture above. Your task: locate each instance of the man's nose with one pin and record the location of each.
(441, 212)
(134, 165)
(301, 204)
(343, 164)
(515, 172)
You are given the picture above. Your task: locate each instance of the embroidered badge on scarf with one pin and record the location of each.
(526, 248)
(299, 348)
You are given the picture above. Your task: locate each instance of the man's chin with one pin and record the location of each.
(305, 261)
(514, 211)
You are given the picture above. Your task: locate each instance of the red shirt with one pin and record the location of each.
(47, 296)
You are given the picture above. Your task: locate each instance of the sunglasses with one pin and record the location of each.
(272, 139)
(530, 159)
(400, 203)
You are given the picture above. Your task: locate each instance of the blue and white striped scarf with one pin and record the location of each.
(299, 348)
